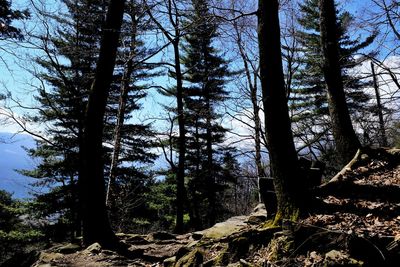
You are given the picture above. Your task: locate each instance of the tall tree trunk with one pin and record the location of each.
(252, 84)
(379, 107)
(283, 157)
(96, 226)
(346, 140)
(180, 171)
(180, 174)
(211, 192)
(123, 98)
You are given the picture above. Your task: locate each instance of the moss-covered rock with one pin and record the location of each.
(335, 258)
(48, 257)
(225, 229)
(193, 259)
(170, 262)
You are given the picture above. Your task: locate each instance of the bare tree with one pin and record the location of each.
(174, 37)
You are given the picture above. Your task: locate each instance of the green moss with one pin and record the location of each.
(280, 247)
(289, 213)
(339, 258)
(222, 257)
(192, 259)
(269, 224)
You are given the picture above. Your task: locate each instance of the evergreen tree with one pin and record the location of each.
(7, 16)
(206, 73)
(131, 139)
(309, 98)
(173, 35)
(63, 104)
(16, 234)
(345, 137)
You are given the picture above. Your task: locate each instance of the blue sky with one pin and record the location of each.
(17, 79)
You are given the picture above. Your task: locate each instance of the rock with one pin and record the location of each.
(338, 258)
(133, 238)
(193, 259)
(256, 219)
(108, 252)
(94, 248)
(170, 262)
(225, 229)
(48, 257)
(260, 208)
(258, 216)
(68, 249)
(160, 236)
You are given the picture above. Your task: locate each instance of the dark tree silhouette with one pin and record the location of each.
(96, 227)
(283, 157)
(346, 140)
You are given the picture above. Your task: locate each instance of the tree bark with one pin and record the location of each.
(379, 107)
(283, 156)
(345, 137)
(180, 174)
(180, 170)
(253, 90)
(96, 226)
(210, 179)
(123, 98)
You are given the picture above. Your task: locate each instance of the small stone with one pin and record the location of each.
(169, 262)
(46, 257)
(256, 219)
(160, 236)
(68, 249)
(260, 208)
(94, 248)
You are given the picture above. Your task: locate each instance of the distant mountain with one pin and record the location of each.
(14, 157)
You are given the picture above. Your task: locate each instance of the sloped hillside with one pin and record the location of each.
(355, 221)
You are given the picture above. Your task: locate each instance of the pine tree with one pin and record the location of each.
(131, 139)
(308, 99)
(345, 137)
(173, 35)
(63, 104)
(206, 73)
(62, 101)
(7, 16)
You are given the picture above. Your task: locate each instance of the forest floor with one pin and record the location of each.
(356, 223)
